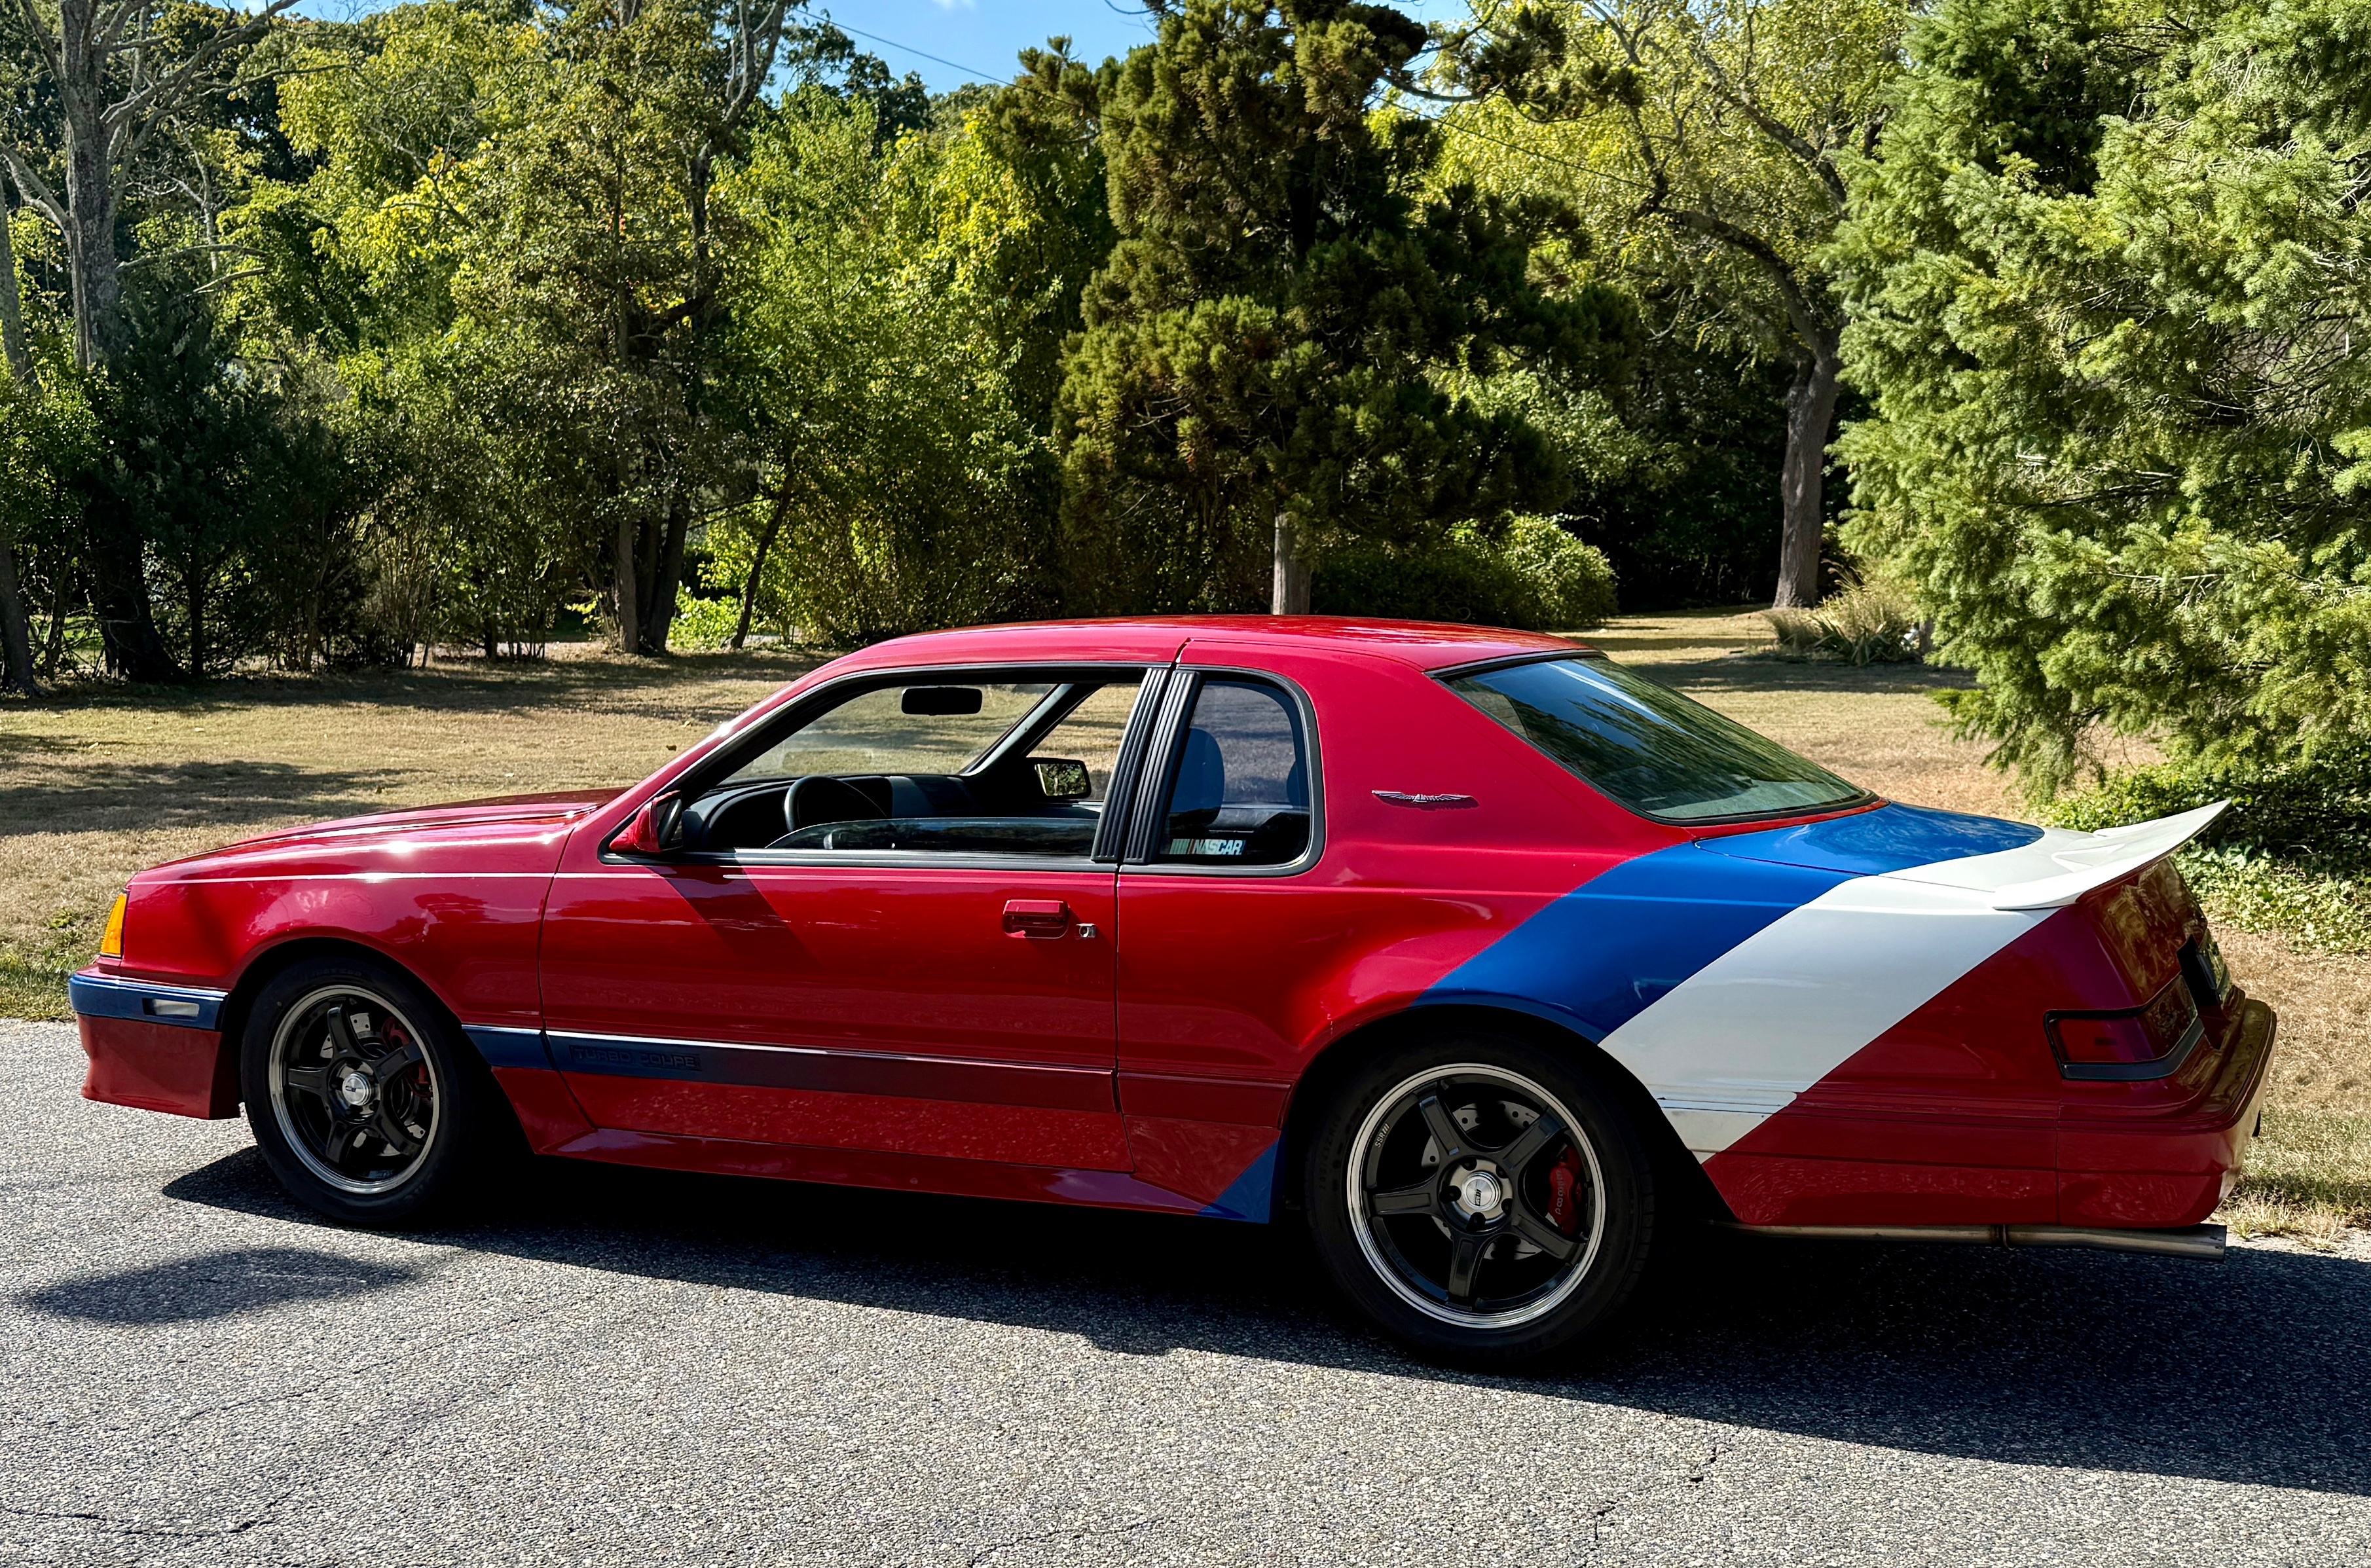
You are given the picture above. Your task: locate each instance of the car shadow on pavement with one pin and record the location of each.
(2256, 1369)
(219, 1285)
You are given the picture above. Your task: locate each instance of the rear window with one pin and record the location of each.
(1651, 749)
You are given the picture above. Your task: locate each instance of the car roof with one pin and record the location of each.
(1426, 645)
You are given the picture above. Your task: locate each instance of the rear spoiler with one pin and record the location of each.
(2061, 867)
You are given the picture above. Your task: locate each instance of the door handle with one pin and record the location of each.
(1036, 916)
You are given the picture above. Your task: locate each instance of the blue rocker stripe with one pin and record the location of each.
(188, 1007)
(506, 1047)
(1250, 1195)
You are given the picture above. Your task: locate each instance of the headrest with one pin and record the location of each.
(1201, 775)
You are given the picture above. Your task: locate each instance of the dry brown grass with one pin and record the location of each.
(95, 787)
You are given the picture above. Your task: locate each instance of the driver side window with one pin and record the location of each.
(956, 766)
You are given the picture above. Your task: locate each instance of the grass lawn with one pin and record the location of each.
(95, 786)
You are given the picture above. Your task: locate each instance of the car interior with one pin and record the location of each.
(1012, 768)
(1002, 798)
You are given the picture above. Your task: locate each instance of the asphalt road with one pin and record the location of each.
(619, 1368)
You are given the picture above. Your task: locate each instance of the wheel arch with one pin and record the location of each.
(1678, 1172)
(278, 959)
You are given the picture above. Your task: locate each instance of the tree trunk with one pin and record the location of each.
(1811, 421)
(667, 574)
(119, 593)
(757, 566)
(12, 318)
(93, 267)
(53, 653)
(1290, 595)
(15, 631)
(629, 621)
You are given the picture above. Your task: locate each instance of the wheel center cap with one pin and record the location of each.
(1480, 1192)
(355, 1089)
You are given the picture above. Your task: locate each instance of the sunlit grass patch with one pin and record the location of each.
(2308, 1177)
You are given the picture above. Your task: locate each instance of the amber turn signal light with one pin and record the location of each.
(111, 944)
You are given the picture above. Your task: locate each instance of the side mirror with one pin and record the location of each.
(656, 830)
(1062, 778)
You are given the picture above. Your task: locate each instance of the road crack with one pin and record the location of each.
(1697, 1470)
(1074, 1534)
(136, 1528)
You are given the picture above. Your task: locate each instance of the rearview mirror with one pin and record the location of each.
(1062, 778)
(656, 829)
(934, 702)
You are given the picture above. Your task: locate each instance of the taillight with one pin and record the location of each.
(111, 942)
(2130, 1043)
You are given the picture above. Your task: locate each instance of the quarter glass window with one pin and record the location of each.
(1239, 790)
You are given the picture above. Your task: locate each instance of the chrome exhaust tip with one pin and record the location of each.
(2186, 1241)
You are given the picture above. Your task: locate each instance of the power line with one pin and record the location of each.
(974, 74)
(1443, 121)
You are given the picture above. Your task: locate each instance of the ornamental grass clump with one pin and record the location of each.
(1874, 621)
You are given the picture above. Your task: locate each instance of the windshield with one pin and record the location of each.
(1651, 749)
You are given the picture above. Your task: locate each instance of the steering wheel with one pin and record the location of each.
(819, 798)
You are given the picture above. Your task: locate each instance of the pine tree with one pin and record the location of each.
(1266, 347)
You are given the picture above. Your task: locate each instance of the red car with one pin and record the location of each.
(1483, 956)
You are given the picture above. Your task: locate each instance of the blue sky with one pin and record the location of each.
(980, 36)
(975, 40)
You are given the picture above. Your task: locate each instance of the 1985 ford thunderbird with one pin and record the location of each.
(1481, 956)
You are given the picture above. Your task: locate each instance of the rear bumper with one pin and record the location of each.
(155, 1047)
(2170, 1167)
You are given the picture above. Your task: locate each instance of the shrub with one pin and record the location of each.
(1874, 621)
(1529, 572)
(1573, 582)
(2292, 854)
(704, 625)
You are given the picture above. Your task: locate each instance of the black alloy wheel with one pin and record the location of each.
(366, 1100)
(1480, 1198)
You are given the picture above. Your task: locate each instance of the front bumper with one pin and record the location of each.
(155, 1047)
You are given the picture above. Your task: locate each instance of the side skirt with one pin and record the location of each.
(2187, 1242)
(894, 1172)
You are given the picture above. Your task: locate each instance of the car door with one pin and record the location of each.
(923, 966)
(1221, 916)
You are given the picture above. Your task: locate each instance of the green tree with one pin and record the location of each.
(1265, 350)
(1705, 145)
(904, 478)
(2109, 291)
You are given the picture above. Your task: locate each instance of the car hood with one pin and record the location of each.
(2012, 865)
(500, 815)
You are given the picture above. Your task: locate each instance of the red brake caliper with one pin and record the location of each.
(1563, 1179)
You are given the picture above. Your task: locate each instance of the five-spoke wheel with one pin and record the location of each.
(1479, 1196)
(353, 1089)
(363, 1097)
(1479, 1201)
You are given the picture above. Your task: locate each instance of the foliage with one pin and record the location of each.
(1529, 572)
(902, 472)
(2292, 854)
(1701, 145)
(1268, 336)
(2109, 287)
(1873, 621)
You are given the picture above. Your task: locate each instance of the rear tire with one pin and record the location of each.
(367, 1102)
(1479, 1198)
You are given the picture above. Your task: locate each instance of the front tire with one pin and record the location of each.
(366, 1101)
(1479, 1198)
